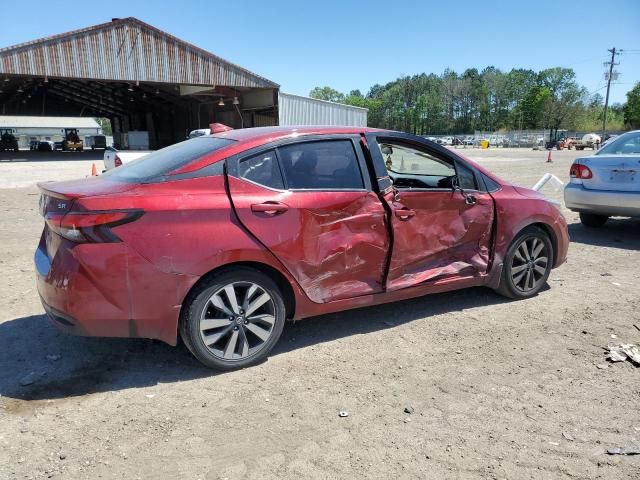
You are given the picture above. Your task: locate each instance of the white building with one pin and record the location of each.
(298, 110)
(47, 128)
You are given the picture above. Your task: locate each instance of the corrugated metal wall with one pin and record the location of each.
(124, 50)
(296, 110)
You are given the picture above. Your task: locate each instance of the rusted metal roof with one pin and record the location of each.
(126, 50)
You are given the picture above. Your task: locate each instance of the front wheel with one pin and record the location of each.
(527, 264)
(592, 220)
(233, 320)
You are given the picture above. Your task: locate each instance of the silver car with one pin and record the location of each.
(606, 184)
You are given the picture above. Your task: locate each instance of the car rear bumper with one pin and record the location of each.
(106, 290)
(603, 202)
(76, 299)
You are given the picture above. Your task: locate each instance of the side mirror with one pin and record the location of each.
(386, 149)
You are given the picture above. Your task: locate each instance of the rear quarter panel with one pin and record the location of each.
(187, 230)
(514, 212)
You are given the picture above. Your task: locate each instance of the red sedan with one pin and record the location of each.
(223, 237)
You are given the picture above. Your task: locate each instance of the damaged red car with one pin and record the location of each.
(221, 238)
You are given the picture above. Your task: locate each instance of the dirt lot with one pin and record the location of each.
(498, 389)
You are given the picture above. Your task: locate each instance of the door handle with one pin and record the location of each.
(270, 208)
(404, 213)
(470, 200)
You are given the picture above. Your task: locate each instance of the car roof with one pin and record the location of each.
(269, 134)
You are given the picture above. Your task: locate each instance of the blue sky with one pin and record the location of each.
(355, 44)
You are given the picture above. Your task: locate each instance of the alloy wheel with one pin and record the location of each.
(530, 263)
(237, 321)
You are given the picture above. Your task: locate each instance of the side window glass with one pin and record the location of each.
(466, 178)
(324, 165)
(262, 169)
(413, 168)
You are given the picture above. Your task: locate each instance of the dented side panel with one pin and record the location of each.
(445, 238)
(334, 243)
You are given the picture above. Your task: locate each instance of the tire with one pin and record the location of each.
(521, 272)
(227, 341)
(592, 220)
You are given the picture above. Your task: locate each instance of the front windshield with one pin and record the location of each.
(626, 144)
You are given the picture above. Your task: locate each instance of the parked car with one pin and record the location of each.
(607, 139)
(607, 183)
(45, 146)
(96, 141)
(199, 132)
(116, 158)
(221, 238)
(468, 140)
(57, 145)
(33, 144)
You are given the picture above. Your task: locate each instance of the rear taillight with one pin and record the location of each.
(90, 227)
(117, 162)
(580, 171)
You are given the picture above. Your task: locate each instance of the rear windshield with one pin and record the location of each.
(628, 143)
(163, 162)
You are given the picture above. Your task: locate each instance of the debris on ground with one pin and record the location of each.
(408, 410)
(567, 436)
(624, 351)
(624, 451)
(343, 414)
(54, 358)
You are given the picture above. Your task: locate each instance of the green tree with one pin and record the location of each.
(327, 93)
(489, 99)
(563, 105)
(105, 125)
(632, 107)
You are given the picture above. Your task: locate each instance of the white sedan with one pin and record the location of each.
(606, 184)
(115, 158)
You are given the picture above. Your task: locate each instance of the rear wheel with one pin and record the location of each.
(527, 264)
(233, 320)
(592, 220)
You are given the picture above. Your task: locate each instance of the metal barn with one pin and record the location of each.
(144, 79)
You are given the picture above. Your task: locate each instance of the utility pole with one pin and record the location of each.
(609, 76)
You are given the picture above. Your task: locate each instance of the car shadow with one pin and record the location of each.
(37, 362)
(616, 233)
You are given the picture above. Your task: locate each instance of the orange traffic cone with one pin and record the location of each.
(94, 171)
(549, 159)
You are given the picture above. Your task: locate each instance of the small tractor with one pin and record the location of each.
(8, 140)
(72, 141)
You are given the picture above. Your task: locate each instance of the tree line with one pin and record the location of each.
(487, 100)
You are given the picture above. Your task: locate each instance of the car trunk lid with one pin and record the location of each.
(619, 173)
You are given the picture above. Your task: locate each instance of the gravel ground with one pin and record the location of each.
(496, 389)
